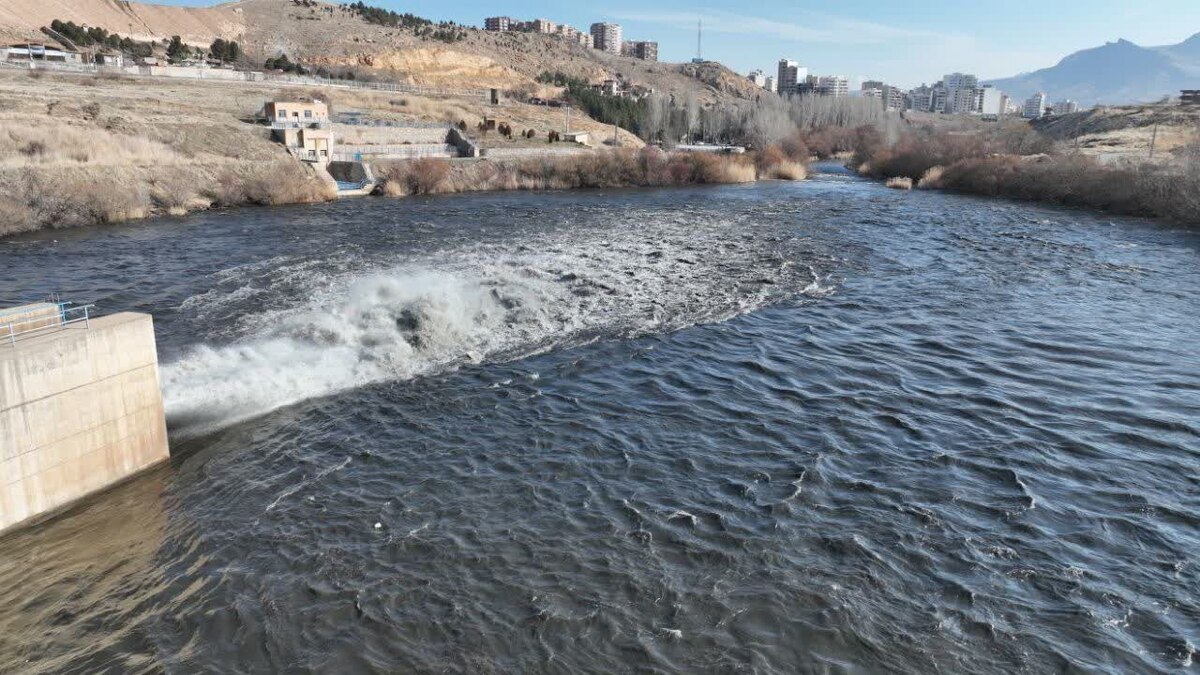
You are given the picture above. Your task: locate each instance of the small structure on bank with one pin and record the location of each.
(303, 128)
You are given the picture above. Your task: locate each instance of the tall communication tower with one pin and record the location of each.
(699, 42)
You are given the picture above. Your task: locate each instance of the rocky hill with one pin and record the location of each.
(1116, 73)
(23, 19)
(329, 35)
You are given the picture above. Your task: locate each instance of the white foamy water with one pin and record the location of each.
(488, 302)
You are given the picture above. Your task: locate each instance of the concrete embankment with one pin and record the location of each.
(80, 410)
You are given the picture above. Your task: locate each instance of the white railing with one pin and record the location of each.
(38, 319)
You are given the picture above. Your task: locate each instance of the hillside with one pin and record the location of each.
(1127, 131)
(320, 34)
(23, 19)
(1115, 73)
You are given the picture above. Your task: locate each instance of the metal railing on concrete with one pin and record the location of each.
(41, 318)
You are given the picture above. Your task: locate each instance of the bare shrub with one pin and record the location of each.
(932, 178)
(274, 184)
(414, 177)
(1076, 180)
(788, 170)
(427, 175)
(796, 148)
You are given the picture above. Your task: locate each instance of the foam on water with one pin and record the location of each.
(394, 320)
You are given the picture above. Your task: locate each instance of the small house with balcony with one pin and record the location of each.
(281, 113)
(302, 127)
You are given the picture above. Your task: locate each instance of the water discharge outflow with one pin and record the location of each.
(480, 303)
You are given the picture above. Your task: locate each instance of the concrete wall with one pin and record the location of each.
(80, 409)
(26, 318)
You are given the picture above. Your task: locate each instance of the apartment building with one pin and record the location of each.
(1035, 106)
(921, 98)
(833, 85)
(961, 93)
(638, 49)
(1066, 107)
(892, 97)
(607, 37)
(758, 78)
(769, 84)
(992, 102)
(790, 74)
(498, 24)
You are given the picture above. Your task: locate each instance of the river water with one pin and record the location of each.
(774, 428)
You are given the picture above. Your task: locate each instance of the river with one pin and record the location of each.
(771, 428)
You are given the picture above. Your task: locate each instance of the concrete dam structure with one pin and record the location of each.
(81, 407)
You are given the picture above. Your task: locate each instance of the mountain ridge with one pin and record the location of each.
(1115, 73)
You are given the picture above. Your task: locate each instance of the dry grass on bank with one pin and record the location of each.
(1018, 163)
(648, 167)
(34, 198)
(1141, 189)
(899, 183)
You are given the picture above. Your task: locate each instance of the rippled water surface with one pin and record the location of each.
(816, 427)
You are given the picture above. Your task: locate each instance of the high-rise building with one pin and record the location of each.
(893, 97)
(961, 95)
(769, 84)
(833, 85)
(758, 78)
(992, 102)
(790, 74)
(1035, 106)
(921, 98)
(872, 84)
(607, 37)
(541, 26)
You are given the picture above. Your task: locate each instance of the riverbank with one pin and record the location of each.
(647, 167)
(1014, 162)
(81, 150)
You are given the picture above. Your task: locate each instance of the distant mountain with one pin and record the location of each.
(1116, 73)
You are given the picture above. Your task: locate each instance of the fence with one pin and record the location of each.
(357, 153)
(32, 320)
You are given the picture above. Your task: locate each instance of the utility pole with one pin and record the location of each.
(616, 141)
(568, 119)
(1153, 138)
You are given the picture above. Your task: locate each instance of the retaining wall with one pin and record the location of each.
(80, 409)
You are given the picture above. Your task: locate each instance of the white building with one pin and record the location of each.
(758, 78)
(1066, 107)
(607, 37)
(1035, 106)
(833, 85)
(992, 102)
(769, 85)
(961, 94)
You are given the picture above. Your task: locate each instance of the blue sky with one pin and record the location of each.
(905, 42)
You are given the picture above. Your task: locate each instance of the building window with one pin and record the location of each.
(281, 113)
(324, 153)
(307, 113)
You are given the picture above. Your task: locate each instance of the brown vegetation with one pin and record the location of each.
(648, 167)
(1016, 162)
